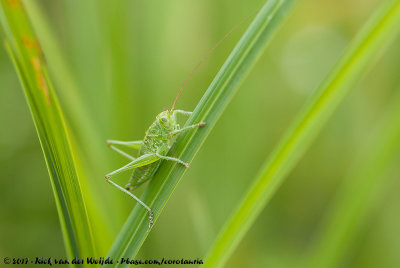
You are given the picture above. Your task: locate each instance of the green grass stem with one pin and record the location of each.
(376, 34)
(360, 189)
(209, 109)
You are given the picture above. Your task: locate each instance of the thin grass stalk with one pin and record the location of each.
(375, 35)
(354, 199)
(209, 109)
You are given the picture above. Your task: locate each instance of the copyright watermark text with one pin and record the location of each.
(97, 261)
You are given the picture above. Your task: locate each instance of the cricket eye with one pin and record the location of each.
(164, 119)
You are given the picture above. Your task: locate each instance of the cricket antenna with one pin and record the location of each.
(208, 54)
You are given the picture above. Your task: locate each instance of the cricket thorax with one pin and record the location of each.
(158, 137)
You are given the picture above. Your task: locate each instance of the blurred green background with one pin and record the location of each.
(127, 60)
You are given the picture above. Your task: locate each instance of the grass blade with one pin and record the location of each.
(28, 60)
(355, 197)
(209, 110)
(74, 105)
(376, 33)
(89, 149)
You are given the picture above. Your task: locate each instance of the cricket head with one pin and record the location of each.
(167, 119)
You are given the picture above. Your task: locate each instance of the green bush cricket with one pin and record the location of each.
(157, 141)
(154, 147)
(159, 138)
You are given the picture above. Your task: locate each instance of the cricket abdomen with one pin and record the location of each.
(155, 141)
(143, 174)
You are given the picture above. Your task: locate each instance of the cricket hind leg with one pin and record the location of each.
(136, 198)
(140, 161)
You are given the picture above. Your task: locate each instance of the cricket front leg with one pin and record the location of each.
(201, 124)
(175, 132)
(182, 112)
(173, 159)
(129, 144)
(140, 161)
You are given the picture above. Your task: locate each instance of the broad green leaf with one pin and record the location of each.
(90, 148)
